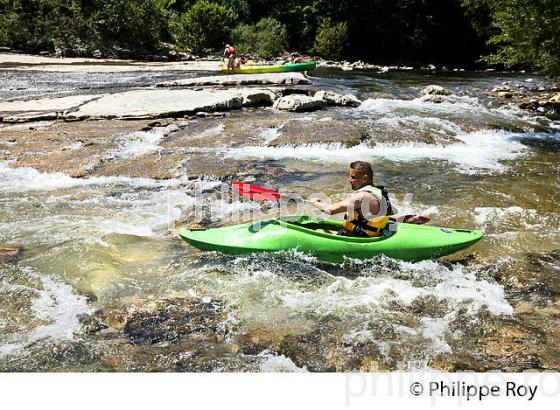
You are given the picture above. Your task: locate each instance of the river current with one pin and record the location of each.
(105, 284)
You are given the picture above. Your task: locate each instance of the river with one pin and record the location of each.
(104, 283)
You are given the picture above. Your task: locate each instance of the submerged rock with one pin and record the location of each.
(173, 319)
(9, 253)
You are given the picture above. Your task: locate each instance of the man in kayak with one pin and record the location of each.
(229, 54)
(368, 208)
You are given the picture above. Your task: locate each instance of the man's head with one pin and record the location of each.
(361, 174)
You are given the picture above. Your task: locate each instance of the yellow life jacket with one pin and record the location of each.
(358, 225)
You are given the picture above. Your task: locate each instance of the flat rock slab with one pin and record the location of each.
(137, 104)
(42, 109)
(240, 79)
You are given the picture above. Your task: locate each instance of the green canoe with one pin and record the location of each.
(409, 242)
(259, 69)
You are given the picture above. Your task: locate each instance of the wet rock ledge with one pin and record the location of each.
(177, 99)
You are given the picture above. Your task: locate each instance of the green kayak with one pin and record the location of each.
(409, 242)
(259, 69)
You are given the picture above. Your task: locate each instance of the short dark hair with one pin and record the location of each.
(363, 168)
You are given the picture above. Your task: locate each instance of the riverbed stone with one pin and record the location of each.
(74, 163)
(258, 98)
(555, 99)
(524, 308)
(501, 88)
(9, 253)
(299, 103)
(169, 320)
(345, 133)
(434, 90)
(505, 94)
(333, 98)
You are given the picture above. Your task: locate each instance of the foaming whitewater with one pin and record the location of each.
(140, 143)
(210, 132)
(366, 299)
(376, 293)
(483, 150)
(97, 206)
(28, 179)
(271, 362)
(57, 306)
(454, 284)
(268, 135)
(452, 105)
(414, 123)
(479, 152)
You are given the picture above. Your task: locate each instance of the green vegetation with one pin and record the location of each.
(331, 39)
(206, 25)
(513, 33)
(524, 32)
(266, 39)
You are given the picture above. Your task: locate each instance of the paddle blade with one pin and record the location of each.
(254, 192)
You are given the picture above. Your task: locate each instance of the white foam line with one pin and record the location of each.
(277, 363)
(29, 179)
(140, 143)
(269, 134)
(463, 106)
(481, 150)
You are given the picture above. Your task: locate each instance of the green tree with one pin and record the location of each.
(206, 25)
(135, 24)
(266, 39)
(331, 39)
(526, 33)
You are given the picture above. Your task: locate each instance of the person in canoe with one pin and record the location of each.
(367, 210)
(229, 55)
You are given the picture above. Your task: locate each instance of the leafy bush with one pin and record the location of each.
(39, 25)
(45, 24)
(266, 39)
(135, 24)
(206, 25)
(524, 32)
(331, 39)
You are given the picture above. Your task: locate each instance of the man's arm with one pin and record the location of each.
(354, 202)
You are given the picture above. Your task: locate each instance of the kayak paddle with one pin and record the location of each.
(257, 193)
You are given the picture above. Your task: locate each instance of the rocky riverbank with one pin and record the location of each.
(536, 96)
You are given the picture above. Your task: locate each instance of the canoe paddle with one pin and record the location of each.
(254, 192)
(257, 193)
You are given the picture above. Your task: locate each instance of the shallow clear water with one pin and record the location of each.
(104, 283)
